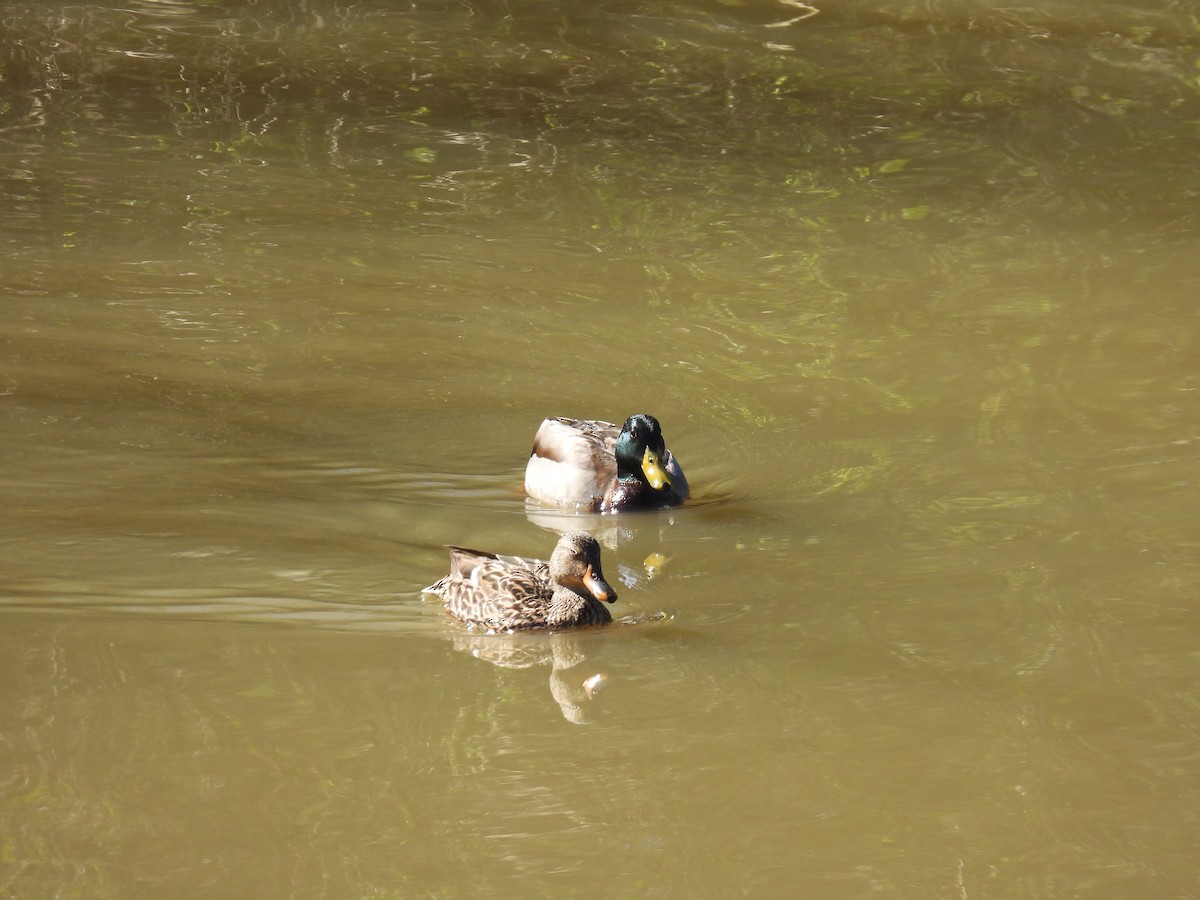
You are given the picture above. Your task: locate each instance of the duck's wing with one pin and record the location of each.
(573, 461)
(539, 567)
(463, 564)
(464, 561)
(487, 590)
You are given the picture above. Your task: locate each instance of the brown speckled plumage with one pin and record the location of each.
(506, 593)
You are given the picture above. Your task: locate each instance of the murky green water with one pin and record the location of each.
(913, 290)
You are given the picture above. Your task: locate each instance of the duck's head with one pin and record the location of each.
(575, 564)
(640, 450)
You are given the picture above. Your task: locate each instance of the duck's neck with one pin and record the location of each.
(570, 608)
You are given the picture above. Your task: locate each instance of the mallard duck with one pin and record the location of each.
(598, 466)
(510, 592)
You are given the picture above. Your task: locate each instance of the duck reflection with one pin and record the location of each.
(638, 541)
(572, 685)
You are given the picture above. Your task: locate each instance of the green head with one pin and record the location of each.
(640, 451)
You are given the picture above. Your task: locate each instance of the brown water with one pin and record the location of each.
(913, 289)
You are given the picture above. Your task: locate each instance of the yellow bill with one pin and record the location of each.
(655, 473)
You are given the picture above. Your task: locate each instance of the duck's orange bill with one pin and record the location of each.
(598, 587)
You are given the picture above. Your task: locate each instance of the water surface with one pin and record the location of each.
(912, 290)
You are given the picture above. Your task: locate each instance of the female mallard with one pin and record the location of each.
(598, 466)
(510, 592)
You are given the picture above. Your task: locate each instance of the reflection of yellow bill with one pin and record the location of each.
(655, 473)
(654, 563)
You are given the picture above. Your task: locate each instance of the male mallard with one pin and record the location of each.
(598, 466)
(510, 592)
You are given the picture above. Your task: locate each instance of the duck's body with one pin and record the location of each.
(506, 593)
(604, 467)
